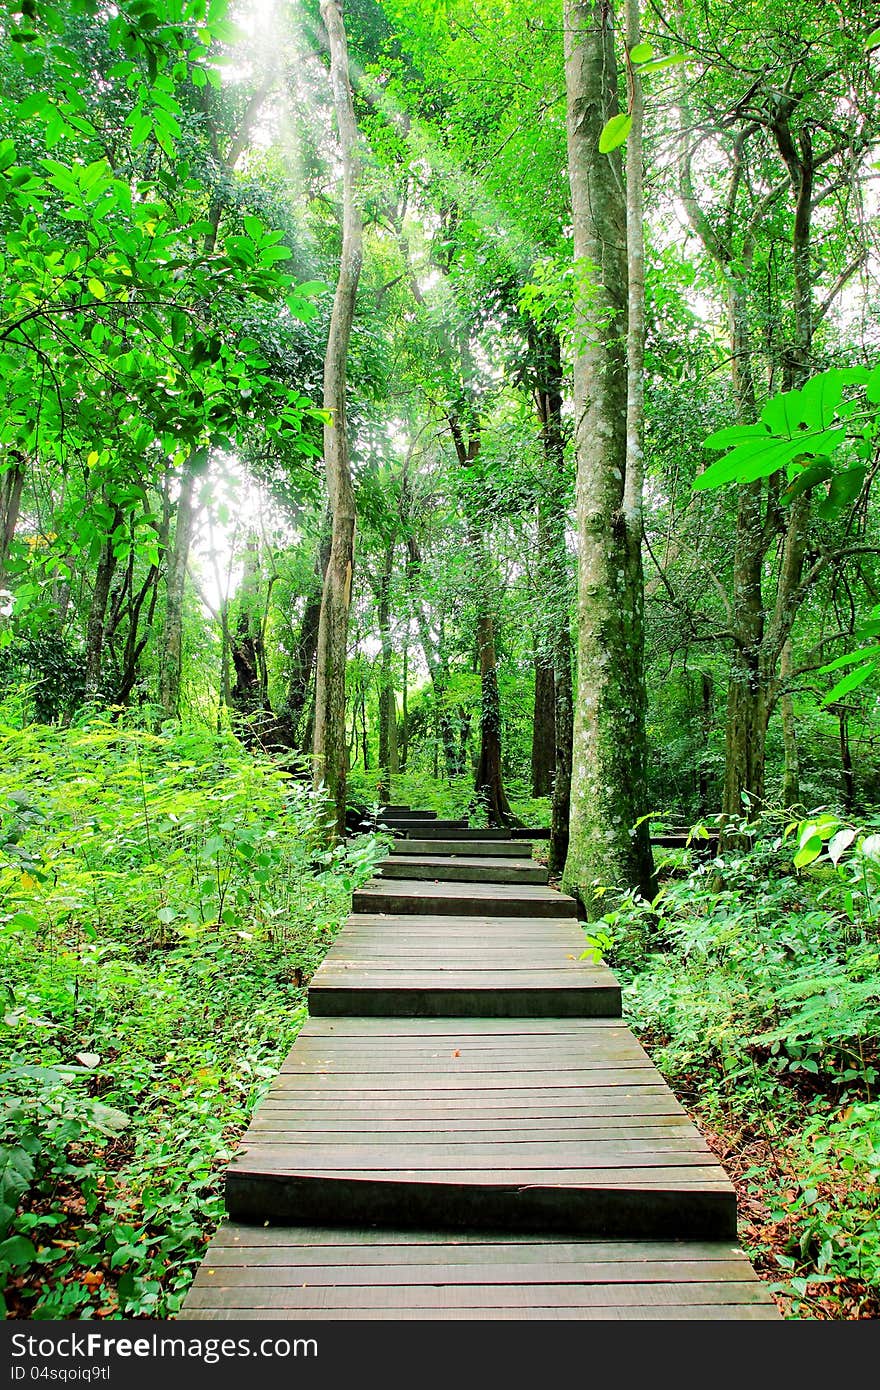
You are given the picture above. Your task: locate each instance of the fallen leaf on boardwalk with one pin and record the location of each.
(457, 1052)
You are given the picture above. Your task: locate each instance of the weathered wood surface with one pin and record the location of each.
(466, 1069)
(422, 967)
(502, 900)
(462, 869)
(310, 1274)
(657, 1180)
(506, 849)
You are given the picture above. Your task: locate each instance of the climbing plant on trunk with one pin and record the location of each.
(330, 748)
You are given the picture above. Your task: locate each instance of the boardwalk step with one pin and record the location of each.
(465, 1068)
(420, 823)
(314, 1273)
(631, 1172)
(507, 849)
(457, 831)
(462, 967)
(464, 869)
(493, 900)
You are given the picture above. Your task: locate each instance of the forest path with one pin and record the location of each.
(465, 1127)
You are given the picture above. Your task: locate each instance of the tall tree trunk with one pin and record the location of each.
(543, 728)
(253, 719)
(330, 766)
(97, 619)
(388, 756)
(11, 488)
(609, 792)
(846, 766)
(403, 749)
(489, 781)
(171, 656)
(305, 650)
(791, 784)
(555, 585)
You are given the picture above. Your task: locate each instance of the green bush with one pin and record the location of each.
(163, 902)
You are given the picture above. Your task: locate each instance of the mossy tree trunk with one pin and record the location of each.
(330, 750)
(607, 849)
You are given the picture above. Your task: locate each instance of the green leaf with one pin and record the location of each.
(848, 659)
(17, 1250)
(845, 488)
(658, 64)
(97, 289)
(872, 41)
(849, 682)
(783, 414)
(872, 386)
(840, 843)
(254, 228)
(642, 53)
(734, 434)
(806, 478)
(808, 852)
(750, 461)
(615, 132)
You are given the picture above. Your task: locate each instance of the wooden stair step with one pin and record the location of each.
(443, 830)
(463, 869)
(531, 968)
(428, 824)
(605, 1183)
(312, 1273)
(508, 900)
(507, 849)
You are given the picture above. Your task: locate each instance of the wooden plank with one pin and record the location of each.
(512, 849)
(533, 900)
(557, 1002)
(504, 1296)
(464, 869)
(223, 1273)
(469, 1089)
(709, 1312)
(392, 1244)
(476, 1028)
(621, 1203)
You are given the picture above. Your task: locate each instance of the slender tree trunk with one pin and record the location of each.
(849, 781)
(543, 728)
(609, 793)
(489, 783)
(706, 725)
(555, 586)
(388, 756)
(305, 650)
(330, 766)
(403, 751)
(97, 620)
(11, 488)
(171, 656)
(791, 786)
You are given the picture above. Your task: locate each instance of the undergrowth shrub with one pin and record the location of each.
(163, 902)
(757, 985)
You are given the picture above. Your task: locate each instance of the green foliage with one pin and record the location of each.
(759, 990)
(163, 900)
(796, 428)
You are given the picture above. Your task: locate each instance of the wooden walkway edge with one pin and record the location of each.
(466, 1128)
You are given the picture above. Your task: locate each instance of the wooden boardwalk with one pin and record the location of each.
(465, 1128)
